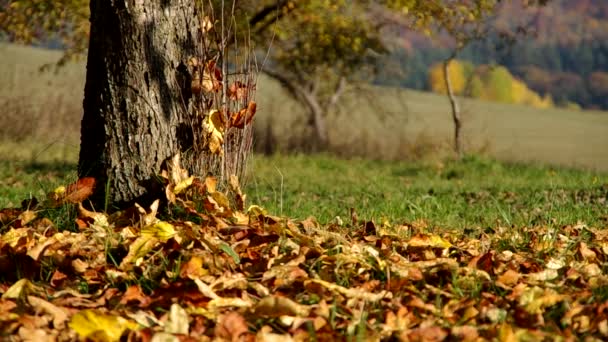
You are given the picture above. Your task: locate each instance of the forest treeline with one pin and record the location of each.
(558, 50)
(569, 75)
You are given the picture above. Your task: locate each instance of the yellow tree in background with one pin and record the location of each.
(460, 73)
(490, 83)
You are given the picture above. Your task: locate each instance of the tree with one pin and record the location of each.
(158, 84)
(315, 47)
(465, 22)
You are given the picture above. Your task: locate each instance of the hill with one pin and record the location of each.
(560, 49)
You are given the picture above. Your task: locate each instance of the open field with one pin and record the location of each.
(474, 193)
(372, 122)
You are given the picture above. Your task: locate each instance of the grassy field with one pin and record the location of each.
(374, 122)
(371, 122)
(471, 194)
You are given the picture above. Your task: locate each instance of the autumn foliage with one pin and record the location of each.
(492, 83)
(217, 269)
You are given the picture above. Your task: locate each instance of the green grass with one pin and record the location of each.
(475, 192)
(471, 194)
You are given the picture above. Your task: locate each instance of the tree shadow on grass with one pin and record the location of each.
(59, 167)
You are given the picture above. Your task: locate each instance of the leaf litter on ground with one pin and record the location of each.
(213, 270)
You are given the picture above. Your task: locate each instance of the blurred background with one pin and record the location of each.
(532, 82)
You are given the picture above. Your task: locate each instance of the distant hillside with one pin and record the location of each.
(563, 53)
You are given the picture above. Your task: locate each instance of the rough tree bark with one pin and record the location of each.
(456, 117)
(137, 94)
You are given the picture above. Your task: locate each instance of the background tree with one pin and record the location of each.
(465, 22)
(315, 47)
(61, 23)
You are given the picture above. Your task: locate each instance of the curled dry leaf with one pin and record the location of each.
(239, 90)
(244, 116)
(214, 127)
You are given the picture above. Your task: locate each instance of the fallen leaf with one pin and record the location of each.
(275, 306)
(93, 325)
(178, 321)
(231, 326)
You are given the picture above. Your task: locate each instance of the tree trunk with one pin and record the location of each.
(138, 98)
(455, 108)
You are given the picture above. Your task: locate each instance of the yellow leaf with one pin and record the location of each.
(432, 241)
(256, 210)
(182, 185)
(178, 320)
(215, 131)
(221, 200)
(211, 184)
(161, 230)
(138, 249)
(21, 288)
(13, 236)
(95, 326)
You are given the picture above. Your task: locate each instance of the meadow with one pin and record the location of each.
(384, 237)
(393, 147)
(43, 110)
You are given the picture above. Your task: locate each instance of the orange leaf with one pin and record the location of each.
(244, 116)
(237, 90)
(79, 190)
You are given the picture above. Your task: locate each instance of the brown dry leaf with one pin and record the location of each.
(231, 326)
(212, 78)
(284, 275)
(58, 278)
(236, 189)
(133, 295)
(79, 190)
(238, 91)
(465, 333)
(99, 220)
(587, 254)
(265, 334)
(60, 315)
(275, 306)
(8, 215)
(509, 278)
(433, 333)
(244, 116)
(353, 293)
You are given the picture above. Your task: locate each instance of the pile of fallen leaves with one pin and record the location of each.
(218, 271)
